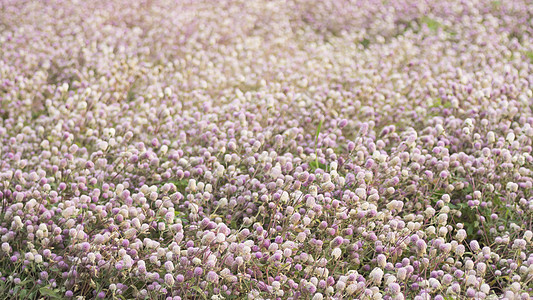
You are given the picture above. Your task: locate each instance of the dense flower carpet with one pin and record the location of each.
(285, 149)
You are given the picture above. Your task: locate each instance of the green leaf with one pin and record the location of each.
(316, 140)
(315, 165)
(180, 184)
(529, 54)
(436, 103)
(469, 230)
(497, 201)
(318, 129)
(365, 42)
(45, 291)
(507, 278)
(433, 25)
(199, 290)
(182, 216)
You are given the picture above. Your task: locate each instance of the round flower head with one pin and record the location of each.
(376, 275)
(212, 276)
(169, 279)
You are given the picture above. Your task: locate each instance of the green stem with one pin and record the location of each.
(316, 141)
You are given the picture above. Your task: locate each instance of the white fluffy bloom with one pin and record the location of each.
(128, 234)
(376, 275)
(318, 296)
(382, 260)
(528, 235)
(351, 289)
(6, 248)
(38, 258)
(471, 280)
(69, 212)
(401, 274)
(103, 145)
(336, 253)
(460, 235)
(18, 222)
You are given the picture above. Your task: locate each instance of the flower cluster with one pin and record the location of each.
(285, 149)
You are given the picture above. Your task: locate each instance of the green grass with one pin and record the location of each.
(316, 163)
(438, 104)
(50, 293)
(365, 42)
(432, 24)
(496, 4)
(529, 55)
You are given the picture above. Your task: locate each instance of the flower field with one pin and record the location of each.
(254, 149)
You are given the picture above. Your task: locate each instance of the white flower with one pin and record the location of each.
(169, 266)
(336, 253)
(31, 204)
(68, 212)
(376, 275)
(460, 235)
(401, 273)
(528, 235)
(434, 283)
(221, 237)
(6, 248)
(194, 208)
(361, 193)
(471, 280)
(30, 256)
(382, 260)
(512, 187)
(352, 288)
(318, 296)
(103, 145)
(169, 279)
(510, 137)
(128, 234)
(18, 221)
(485, 288)
(208, 238)
(284, 197)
